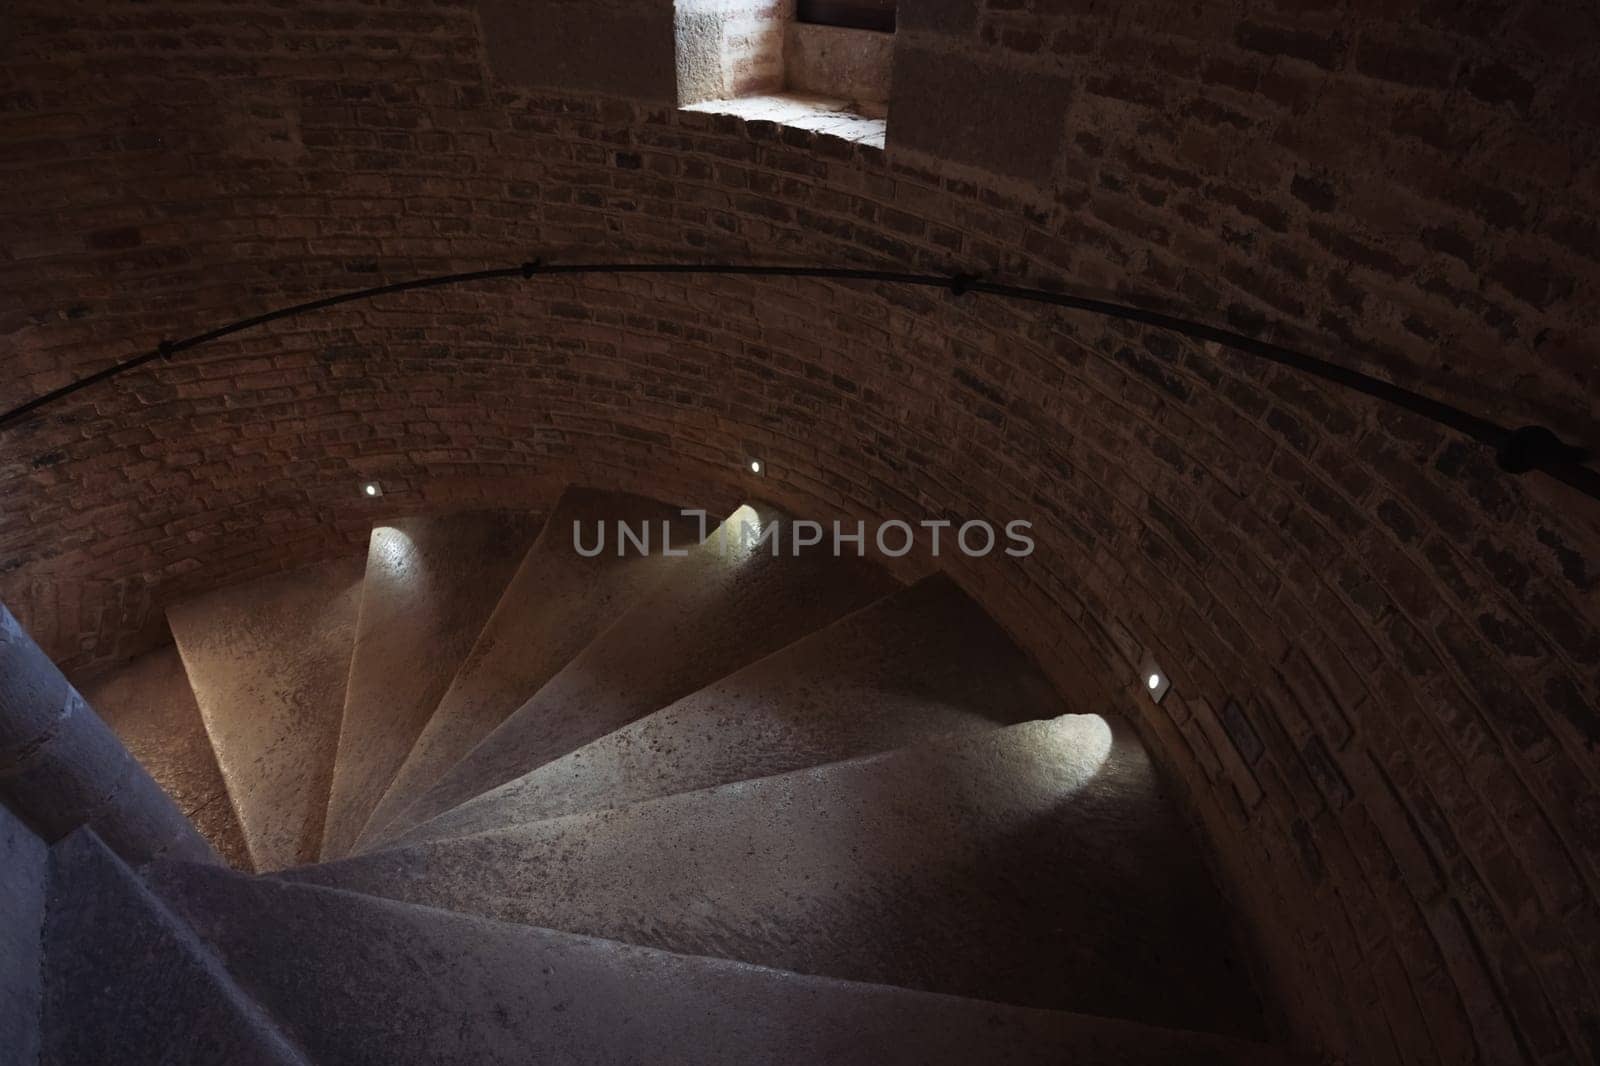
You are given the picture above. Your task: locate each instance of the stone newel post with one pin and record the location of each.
(62, 767)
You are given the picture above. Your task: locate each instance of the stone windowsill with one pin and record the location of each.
(862, 123)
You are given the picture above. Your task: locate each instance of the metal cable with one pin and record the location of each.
(1517, 450)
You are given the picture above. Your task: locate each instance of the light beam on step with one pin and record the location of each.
(1057, 759)
(740, 535)
(394, 549)
(1074, 750)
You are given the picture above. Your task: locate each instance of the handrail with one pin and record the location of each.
(1517, 450)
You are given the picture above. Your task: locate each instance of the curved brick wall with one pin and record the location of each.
(1384, 652)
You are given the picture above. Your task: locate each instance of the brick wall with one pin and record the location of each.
(1409, 185)
(1384, 652)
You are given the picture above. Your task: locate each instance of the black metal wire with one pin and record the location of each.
(1518, 450)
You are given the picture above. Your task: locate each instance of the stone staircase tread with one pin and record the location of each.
(151, 706)
(24, 876)
(723, 805)
(508, 823)
(421, 985)
(267, 662)
(430, 584)
(714, 614)
(553, 606)
(952, 865)
(125, 980)
(921, 662)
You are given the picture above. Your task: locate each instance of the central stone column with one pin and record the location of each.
(62, 767)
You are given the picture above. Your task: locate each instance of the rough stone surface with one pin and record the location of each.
(854, 121)
(150, 706)
(950, 16)
(832, 61)
(24, 871)
(729, 48)
(268, 662)
(1405, 636)
(430, 584)
(978, 114)
(126, 981)
(596, 45)
(61, 767)
(921, 662)
(724, 605)
(1035, 864)
(418, 985)
(554, 605)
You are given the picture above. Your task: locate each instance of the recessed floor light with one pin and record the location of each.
(1155, 680)
(371, 489)
(756, 466)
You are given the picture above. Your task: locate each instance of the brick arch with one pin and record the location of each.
(1383, 650)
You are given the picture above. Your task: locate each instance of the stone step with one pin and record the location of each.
(430, 584)
(727, 604)
(555, 604)
(125, 981)
(1037, 864)
(922, 662)
(149, 704)
(359, 980)
(267, 662)
(24, 875)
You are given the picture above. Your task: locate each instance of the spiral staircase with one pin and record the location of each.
(496, 801)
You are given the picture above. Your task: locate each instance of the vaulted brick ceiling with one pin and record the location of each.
(1383, 649)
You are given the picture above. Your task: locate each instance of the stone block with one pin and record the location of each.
(992, 117)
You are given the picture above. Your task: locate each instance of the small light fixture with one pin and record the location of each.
(756, 466)
(371, 489)
(1155, 680)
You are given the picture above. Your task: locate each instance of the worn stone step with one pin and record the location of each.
(125, 981)
(922, 662)
(429, 586)
(360, 980)
(1037, 864)
(267, 662)
(727, 604)
(24, 875)
(554, 605)
(149, 704)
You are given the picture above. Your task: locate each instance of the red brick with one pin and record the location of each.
(1190, 502)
